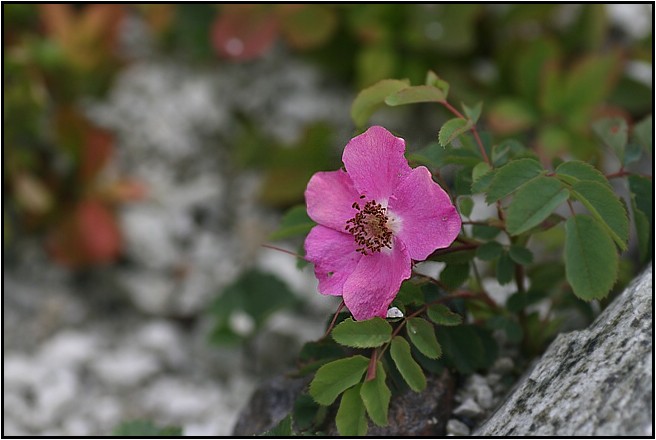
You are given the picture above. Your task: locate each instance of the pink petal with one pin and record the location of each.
(334, 257)
(376, 280)
(329, 197)
(428, 219)
(375, 162)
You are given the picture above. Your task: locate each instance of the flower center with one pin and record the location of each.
(370, 228)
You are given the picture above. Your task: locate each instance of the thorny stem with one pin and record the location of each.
(332, 323)
(473, 130)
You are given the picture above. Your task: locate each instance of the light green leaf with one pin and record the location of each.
(414, 95)
(282, 429)
(335, 377)
(362, 334)
(473, 113)
(422, 335)
(489, 251)
(350, 419)
(606, 208)
(409, 369)
(442, 315)
(452, 129)
(575, 170)
(371, 98)
(520, 254)
(465, 205)
(511, 176)
(144, 428)
(591, 262)
(614, 132)
(294, 222)
(376, 396)
(643, 132)
(433, 80)
(479, 170)
(482, 183)
(533, 203)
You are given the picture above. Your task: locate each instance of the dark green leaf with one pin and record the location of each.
(362, 334)
(520, 254)
(511, 176)
(415, 94)
(509, 326)
(533, 203)
(505, 269)
(489, 251)
(422, 335)
(575, 170)
(376, 395)
(452, 129)
(453, 275)
(371, 98)
(144, 428)
(295, 222)
(336, 377)
(591, 262)
(485, 232)
(465, 204)
(409, 369)
(305, 411)
(442, 315)
(410, 294)
(643, 132)
(606, 208)
(467, 348)
(614, 132)
(351, 419)
(520, 300)
(282, 429)
(643, 213)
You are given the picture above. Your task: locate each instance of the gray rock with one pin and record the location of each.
(598, 381)
(457, 428)
(469, 408)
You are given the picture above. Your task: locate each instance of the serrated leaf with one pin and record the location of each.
(295, 222)
(409, 369)
(520, 254)
(335, 377)
(473, 113)
(511, 176)
(483, 182)
(282, 429)
(479, 170)
(465, 205)
(606, 208)
(575, 170)
(373, 97)
(591, 262)
(643, 132)
(351, 419)
(454, 274)
(442, 315)
(144, 428)
(505, 269)
(362, 334)
(533, 203)
(489, 251)
(414, 95)
(614, 132)
(376, 396)
(422, 335)
(452, 129)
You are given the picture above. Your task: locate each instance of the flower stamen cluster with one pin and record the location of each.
(369, 228)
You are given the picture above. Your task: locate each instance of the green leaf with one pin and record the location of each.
(282, 429)
(371, 98)
(452, 129)
(442, 315)
(489, 251)
(511, 116)
(433, 80)
(362, 334)
(410, 294)
(614, 132)
(591, 262)
(520, 300)
(575, 170)
(485, 232)
(643, 133)
(467, 348)
(351, 419)
(422, 335)
(606, 208)
(144, 428)
(415, 94)
(473, 113)
(479, 170)
(295, 222)
(306, 412)
(336, 377)
(511, 176)
(509, 326)
(409, 369)
(533, 203)
(376, 395)
(482, 183)
(454, 274)
(505, 269)
(465, 204)
(643, 213)
(520, 254)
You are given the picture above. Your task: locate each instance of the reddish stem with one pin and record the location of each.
(275, 248)
(371, 369)
(453, 110)
(332, 323)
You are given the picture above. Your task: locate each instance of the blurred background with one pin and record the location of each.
(149, 150)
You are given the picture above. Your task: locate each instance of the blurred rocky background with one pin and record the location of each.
(149, 150)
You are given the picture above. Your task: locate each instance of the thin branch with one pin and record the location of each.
(332, 323)
(453, 110)
(276, 248)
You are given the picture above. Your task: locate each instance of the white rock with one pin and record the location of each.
(68, 348)
(469, 408)
(125, 367)
(457, 428)
(503, 365)
(483, 395)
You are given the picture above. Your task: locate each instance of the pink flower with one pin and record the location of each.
(373, 219)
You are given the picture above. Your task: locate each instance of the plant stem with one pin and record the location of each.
(453, 110)
(332, 323)
(275, 248)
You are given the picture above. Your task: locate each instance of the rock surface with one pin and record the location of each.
(594, 382)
